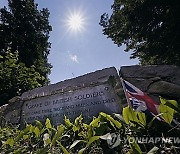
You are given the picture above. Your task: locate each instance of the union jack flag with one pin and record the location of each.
(138, 100)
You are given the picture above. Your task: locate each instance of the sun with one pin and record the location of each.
(75, 22)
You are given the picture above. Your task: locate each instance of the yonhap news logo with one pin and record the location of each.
(114, 139)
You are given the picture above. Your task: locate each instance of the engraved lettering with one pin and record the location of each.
(88, 101)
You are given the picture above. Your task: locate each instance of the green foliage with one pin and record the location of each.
(153, 150)
(149, 28)
(99, 136)
(132, 116)
(26, 29)
(172, 104)
(134, 146)
(77, 137)
(16, 78)
(167, 112)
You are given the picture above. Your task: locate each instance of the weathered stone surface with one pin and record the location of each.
(86, 80)
(141, 83)
(12, 113)
(92, 93)
(165, 88)
(86, 101)
(87, 95)
(157, 80)
(3, 107)
(168, 73)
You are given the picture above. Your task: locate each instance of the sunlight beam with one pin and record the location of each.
(75, 22)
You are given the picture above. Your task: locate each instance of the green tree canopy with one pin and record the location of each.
(149, 28)
(24, 32)
(25, 29)
(15, 77)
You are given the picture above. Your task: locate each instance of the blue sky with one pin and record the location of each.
(74, 53)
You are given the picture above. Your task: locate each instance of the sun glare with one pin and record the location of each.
(75, 22)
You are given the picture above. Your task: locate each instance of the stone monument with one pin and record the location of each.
(87, 95)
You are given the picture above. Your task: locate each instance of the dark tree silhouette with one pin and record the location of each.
(149, 28)
(25, 29)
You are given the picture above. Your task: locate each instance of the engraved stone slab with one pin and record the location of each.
(88, 101)
(88, 95)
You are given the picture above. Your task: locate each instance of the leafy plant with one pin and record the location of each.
(15, 77)
(104, 134)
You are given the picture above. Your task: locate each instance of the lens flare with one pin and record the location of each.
(75, 22)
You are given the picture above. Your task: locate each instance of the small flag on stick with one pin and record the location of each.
(138, 100)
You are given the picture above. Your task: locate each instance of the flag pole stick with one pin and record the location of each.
(125, 92)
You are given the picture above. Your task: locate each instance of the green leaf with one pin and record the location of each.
(30, 130)
(39, 124)
(120, 117)
(134, 146)
(19, 151)
(47, 142)
(43, 130)
(63, 148)
(173, 104)
(19, 136)
(37, 132)
(91, 140)
(25, 137)
(95, 122)
(81, 151)
(23, 132)
(153, 150)
(167, 112)
(128, 114)
(77, 123)
(75, 143)
(82, 134)
(90, 132)
(10, 142)
(58, 134)
(141, 118)
(67, 122)
(75, 128)
(42, 151)
(48, 123)
(111, 120)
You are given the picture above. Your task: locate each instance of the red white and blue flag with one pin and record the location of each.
(138, 100)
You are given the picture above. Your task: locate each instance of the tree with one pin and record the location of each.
(24, 48)
(15, 77)
(149, 28)
(25, 29)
